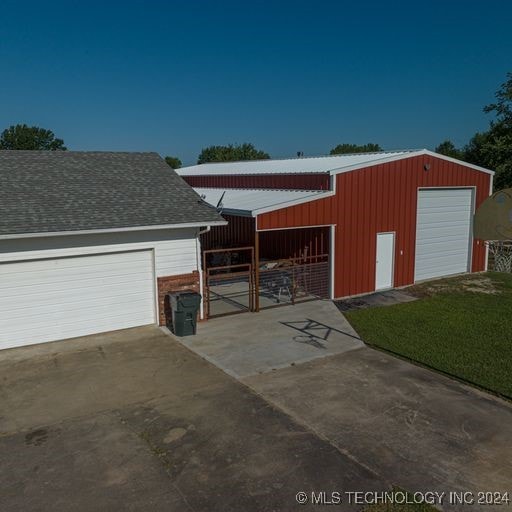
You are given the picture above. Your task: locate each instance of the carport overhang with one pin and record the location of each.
(255, 203)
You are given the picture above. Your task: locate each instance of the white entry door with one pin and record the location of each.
(385, 260)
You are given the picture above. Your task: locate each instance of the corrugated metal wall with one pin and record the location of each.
(238, 233)
(262, 181)
(294, 243)
(289, 243)
(378, 199)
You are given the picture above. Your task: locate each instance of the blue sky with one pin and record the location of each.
(174, 77)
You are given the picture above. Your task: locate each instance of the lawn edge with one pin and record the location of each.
(421, 364)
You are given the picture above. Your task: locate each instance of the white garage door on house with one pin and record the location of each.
(52, 299)
(443, 232)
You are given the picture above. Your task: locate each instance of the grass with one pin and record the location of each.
(461, 326)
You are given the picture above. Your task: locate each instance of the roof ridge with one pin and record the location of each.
(82, 152)
(384, 151)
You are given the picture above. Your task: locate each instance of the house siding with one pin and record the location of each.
(174, 254)
(175, 250)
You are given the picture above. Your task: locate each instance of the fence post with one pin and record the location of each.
(257, 271)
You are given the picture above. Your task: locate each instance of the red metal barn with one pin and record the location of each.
(386, 219)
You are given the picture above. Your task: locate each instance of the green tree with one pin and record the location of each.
(493, 149)
(503, 106)
(22, 136)
(343, 149)
(231, 153)
(173, 161)
(448, 148)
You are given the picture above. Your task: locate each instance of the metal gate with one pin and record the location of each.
(234, 283)
(293, 280)
(229, 281)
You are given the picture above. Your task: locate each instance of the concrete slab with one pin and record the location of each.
(378, 299)
(253, 343)
(134, 421)
(418, 428)
(233, 297)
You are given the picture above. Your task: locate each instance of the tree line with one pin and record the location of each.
(26, 137)
(491, 149)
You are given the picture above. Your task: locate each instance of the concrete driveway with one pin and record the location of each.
(407, 425)
(134, 421)
(253, 343)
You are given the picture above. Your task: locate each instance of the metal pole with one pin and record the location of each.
(257, 271)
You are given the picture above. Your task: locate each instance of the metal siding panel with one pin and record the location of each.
(411, 202)
(396, 218)
(397, 178)
(292, 242)
(238, 232)
(393, 200)
(269, 181)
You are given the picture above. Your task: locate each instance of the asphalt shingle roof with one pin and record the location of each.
(52, 191)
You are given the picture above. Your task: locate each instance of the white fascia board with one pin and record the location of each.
(395, 158)
(385, 160)
(236, 213)
(113, 230)
(295, 202)
(455, 161)
(306, 226)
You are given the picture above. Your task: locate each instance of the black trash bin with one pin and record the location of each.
(185, 307)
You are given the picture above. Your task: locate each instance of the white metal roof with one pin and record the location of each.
(250, 202)
(323, 164)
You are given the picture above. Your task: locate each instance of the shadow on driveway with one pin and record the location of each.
(254, 343)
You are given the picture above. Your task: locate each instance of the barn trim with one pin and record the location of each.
(396, 158)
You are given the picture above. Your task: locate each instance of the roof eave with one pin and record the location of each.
(294, 202)
(380, 161)
(411, 154)
(236, 212)
(456, 161)
(112, 230)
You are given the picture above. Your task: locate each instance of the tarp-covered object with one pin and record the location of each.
(493, 220)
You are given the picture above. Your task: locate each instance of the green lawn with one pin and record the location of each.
(461, 326)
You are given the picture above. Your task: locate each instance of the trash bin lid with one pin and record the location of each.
(190, 299)
(185, 297)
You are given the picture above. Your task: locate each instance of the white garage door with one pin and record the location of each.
(47, 300)
(443, 232)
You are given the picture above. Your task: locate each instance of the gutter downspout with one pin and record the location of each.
(200, 269)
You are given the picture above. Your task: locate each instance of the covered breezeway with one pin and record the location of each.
(248, 269)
